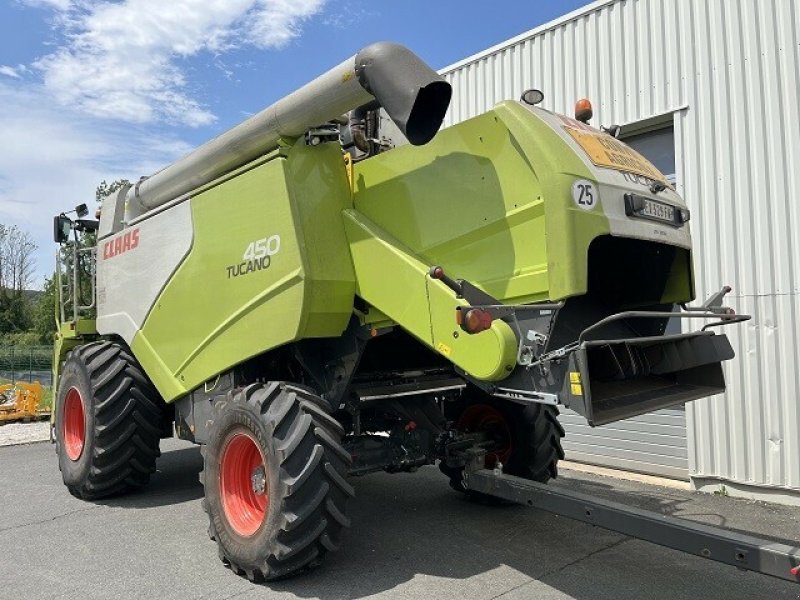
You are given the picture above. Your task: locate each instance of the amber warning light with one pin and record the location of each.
(583, 110)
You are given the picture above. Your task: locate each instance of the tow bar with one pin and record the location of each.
(729, 547)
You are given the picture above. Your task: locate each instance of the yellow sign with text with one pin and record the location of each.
(606, 151)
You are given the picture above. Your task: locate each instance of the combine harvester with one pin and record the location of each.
(308, 302)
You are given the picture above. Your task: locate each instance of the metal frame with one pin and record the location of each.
(69, 290)
(526, 356)
(722, 545)
(723, 318)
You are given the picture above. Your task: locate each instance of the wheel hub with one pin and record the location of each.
(487, 419)
(244, 487)
(259, 480)
(73, 424)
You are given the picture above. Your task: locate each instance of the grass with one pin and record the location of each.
(47, 399)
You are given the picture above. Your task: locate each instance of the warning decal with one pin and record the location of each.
(606, 151)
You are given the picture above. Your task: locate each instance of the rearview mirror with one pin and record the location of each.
(61, 228)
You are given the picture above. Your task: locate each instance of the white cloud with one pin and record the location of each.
(15, 72)
(52, 159)
(274, 23)
(8, 71)
(123, 59)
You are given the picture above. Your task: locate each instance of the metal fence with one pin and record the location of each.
(27, 363)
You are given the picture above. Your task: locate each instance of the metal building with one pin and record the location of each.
(709, 90)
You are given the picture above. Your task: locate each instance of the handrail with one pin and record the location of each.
(724, 319)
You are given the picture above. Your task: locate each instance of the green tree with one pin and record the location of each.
(16, 271)
(105, 189)
(44, 323)
(15, 313)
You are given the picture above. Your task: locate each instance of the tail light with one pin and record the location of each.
(474, 320)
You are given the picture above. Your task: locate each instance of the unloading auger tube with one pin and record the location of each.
(414, 96)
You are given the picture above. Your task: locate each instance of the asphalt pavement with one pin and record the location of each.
(412, 537)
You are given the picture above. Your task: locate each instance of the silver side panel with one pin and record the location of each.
(654, 443)
(135, 265)
(112, 213)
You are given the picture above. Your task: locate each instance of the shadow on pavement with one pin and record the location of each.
(175, 481)
(408, 525)
(410, 531)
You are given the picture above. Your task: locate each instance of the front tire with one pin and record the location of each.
(108, 422)
(274, 478)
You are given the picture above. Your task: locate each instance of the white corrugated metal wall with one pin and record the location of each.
(729, 71)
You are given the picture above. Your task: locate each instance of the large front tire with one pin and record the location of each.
(274, 477)
(108, 422)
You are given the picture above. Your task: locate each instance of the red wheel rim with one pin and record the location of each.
(485, 418)
(74, 419)
(243, 484)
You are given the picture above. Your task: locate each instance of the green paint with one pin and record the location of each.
(391, 278)
(69, 336)
(488, 199)
(206, 320)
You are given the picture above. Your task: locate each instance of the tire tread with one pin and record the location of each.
(311, 481)
(127, 419)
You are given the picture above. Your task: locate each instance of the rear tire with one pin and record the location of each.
(108, 422)
(274, 478)
(529, 439)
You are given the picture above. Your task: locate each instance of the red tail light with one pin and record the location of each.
(475, 320)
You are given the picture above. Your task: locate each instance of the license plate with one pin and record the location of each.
(645, 208)
(656, 210)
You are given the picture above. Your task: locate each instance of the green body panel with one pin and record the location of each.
(205, 320)
(77, 329)
(488, 200)
(69, 335)
(569, 230)
(391, 278)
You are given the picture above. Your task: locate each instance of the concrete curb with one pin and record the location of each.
(14, 434)
(627, 475)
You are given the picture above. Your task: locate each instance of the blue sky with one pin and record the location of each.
(93, 89)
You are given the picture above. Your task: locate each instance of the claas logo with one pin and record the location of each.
(119, 245)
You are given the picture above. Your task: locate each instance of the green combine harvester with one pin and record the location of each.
(310, 300)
